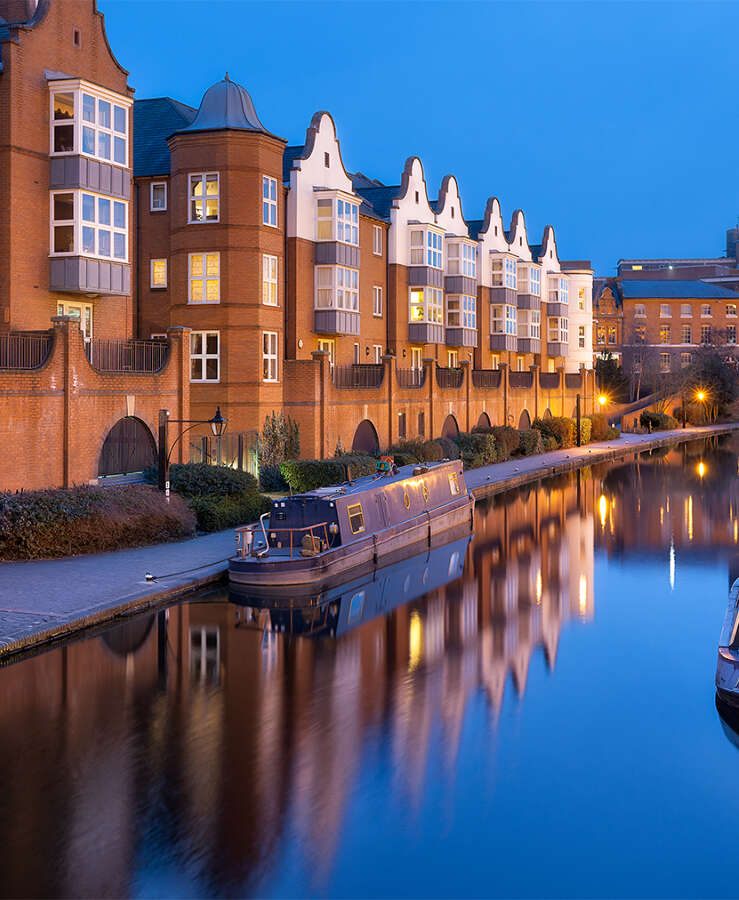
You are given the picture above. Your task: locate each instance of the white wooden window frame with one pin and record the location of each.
(270, 269)
(269, 201)
(203, 178)
(118, 139)
(152, 284)
(377, 240)
(152, 206)
(203, 277)
(97, 226)
(270, 358)
(204, 355)
(377, 301)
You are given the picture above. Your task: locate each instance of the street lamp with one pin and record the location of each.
(602, 399)
(217, 426)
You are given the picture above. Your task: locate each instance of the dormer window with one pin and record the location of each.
(504, 272)
(461, 259)
(529, 280)
(426, 248)
(337, 219)
(89, 121)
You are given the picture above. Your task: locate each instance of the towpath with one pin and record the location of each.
(44, 600)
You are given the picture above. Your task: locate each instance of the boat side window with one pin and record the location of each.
(356, 517)
(453, 483)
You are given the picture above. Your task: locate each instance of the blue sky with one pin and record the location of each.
(614, 122)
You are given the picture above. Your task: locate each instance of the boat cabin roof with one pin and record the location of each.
(368, 482)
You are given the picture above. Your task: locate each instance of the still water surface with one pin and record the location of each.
(529, 715)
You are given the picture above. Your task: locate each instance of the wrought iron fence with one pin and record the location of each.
(127, 356)
(521, 379)
(573, 380)
(359, 375)
(486, 378)
(449, 378)
(549, 381)
(411, 378)
(24, 349)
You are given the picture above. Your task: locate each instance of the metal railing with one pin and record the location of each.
(411, 378)
(243, 547)
(359, 375)
(573, 380)
(521, 379)
(486, 378)
(24, 349)
(549, 381)
(127, 356)
(449, 378)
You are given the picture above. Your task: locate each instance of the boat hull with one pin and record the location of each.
(280, 571)
(727, 666)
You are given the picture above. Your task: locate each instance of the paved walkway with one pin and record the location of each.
(49, 598)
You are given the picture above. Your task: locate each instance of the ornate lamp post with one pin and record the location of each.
(217, 426)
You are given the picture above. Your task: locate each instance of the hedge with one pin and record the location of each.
(217, 513)
(599, 427)
(508, 440)
(476, 449)
(271, 479)
(530, 442)
(658, 421)
(202, 480)
(72, 521)
(559, 428)
(308, 474)
(586, 427)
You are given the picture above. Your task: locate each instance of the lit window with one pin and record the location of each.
(356, 517)
(416, 358)
(461, 311)
(686, 311)
(494, 361)
(269, 280)
(731, 310)
(664, 362)
(640, 334)
(337, 220)
(706, 336)
(665, 334)
(269, 201)
(377, 353)
(205, 358)
(558, 329)
(376, 301)
(520, 361)
(731, 334)
(426, 305)
(640, 311)
(80, 313)
(461, 259)
(686, 334)
(337, 288)
(581, 337)
(503, 319)
(84, 121)
(89, 225)
(269, 356)
(204, 278)
(529, 323)
(158, 196)
(706, 311)
(581, 298)
(328, 345)
(426, 248)
(504, 273)
(203, 197)
(665, 311)
(159, 273)
(377, 240)
(636, 268)
(611, 334)
(600, 334)
(452, 358)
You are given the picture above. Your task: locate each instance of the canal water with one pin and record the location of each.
(529, 714)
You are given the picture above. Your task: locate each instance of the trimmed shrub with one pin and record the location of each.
(599, 427)
(507, 439)
(448, 447)
(586, 427)
(560, 428)
(358, 464)
(612, 433)
(202, 480)
(308, 474)
(549, 442)
(271, 480)
(476, 449)
(217, 513)
(529, 442)
(658, 421)
(432, 451)
(66, 522)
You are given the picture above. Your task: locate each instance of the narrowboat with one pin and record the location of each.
(330, 611)
(727, 668)
(321, 534)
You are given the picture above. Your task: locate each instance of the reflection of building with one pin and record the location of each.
(204, 740)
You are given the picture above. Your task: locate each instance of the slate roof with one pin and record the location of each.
(290, 154)
(674, 290)
(378, 197)
(153, 122)
(535, 251)
(475, 226)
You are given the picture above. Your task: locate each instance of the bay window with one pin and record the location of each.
(529, 323)
(204, 196)
(461, 259)
(90, 121)
(529, 280)
(426, 248)
(204, 278)
(426, 305)
(337, 220)
(503, 319)
(337, 288)
(558, 289)
(205, 356)
(85, 224)
(461, 311)
(504, 272)
(558, 330)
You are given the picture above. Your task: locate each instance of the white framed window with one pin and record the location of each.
(494, 361)
(426, 248)
(581, 337)
(85, 224)
(520, 362)
(203, 192)
(731, 334)
(581, 298)
(269, 280)
(205, 356)
(337, 288)
(535, 281)
(377, 353)
(79, 312)
(665, 311)
(158, 273)
(685, 360)
(426, 305)
(731, 310)
(558, 289)
(269, 201)
(529, 323)
(504, 272)
(328, 345)
(157, 196)
(461, 259)
(640, 311)
(706, 311)
(337, 219)
(356, 354)
(503, 319)
(461, 311)
(204, 278)
(416, 358)
(452, 358)
(686, 311)
(377, 301)
(377, 240)
(665, 362)
(686, 334)
(269, 356)
(90, 121)
(529, 280)
(558, 329)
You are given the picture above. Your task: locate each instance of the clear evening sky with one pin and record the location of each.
(615, 122)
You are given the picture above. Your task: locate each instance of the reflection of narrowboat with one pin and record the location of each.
(336, 609)
(727, 668)
(323, 533)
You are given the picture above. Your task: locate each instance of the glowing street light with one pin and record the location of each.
(602, 400)
(700, 396)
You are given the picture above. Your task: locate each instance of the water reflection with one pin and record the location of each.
(209, 750)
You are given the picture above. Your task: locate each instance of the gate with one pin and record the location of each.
(128, 448)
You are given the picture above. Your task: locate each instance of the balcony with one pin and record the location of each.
(457, 336)
(449, 378)
(411, 378)
(488, 379)
(85, 275)
(24, 349)
(557, 304)
(358, 376)
(425, 333)
(335, 321)
(127, 356)
(335, 253)
(502, 341)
